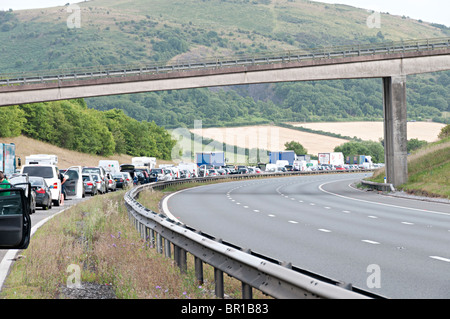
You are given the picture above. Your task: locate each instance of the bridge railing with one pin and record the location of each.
(108, 71)
(275, 278)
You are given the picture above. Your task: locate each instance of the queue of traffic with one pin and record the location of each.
(50, 186)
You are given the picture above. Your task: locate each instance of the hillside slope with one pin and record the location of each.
(130, 32)
(142, 31)
(428, 171)
(26, 146)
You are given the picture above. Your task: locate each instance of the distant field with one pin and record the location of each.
(427, 131)
(270, 138)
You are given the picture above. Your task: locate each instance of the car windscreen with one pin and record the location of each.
(37, 181)
(40, 171)
(91, 170)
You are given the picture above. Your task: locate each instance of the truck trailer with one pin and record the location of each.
(43, 159)
(210, 158)
(282, 156)
(361, 160)
(8, 158)
(333, 158)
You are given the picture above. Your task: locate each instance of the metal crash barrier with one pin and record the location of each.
(274, 278)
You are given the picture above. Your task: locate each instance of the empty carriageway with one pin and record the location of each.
(321, 224)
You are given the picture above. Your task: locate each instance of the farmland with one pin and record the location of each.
(272, 138)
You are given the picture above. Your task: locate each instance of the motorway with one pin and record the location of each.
(395, 247)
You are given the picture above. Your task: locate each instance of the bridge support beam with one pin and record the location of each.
(395, 129)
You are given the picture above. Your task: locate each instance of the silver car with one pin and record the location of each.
(101, 185)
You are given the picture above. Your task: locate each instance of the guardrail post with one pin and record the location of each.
(247, 291)
(167, 251)
(218, 280)
(147, 234)
(180, 258)
(159, 246)
(198, 270)
(152, 238)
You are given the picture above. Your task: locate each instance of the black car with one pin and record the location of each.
(43, 193)
(120, 181)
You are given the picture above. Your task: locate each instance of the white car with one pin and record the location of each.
(51, 175)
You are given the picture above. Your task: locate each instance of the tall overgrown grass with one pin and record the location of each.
(428, 171)
(97, 236)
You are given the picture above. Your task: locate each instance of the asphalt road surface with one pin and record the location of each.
(399, 248)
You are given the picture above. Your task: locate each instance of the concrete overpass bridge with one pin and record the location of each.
(390, 61)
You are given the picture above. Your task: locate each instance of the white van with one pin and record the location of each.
(51, 175)
(271, 168)
(110, 166)
(47, 159)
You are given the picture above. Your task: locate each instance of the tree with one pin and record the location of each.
(296, 147)
(445, 132)
(414, 144)
(371, 148)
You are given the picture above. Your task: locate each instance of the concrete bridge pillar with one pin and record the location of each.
(395, 129)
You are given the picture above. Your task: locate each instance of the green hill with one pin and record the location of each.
(124, 32)
(143, 31)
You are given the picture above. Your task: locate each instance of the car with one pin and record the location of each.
(120, 180)
(168, 175)
(43, 192)
(139, 177)
(51, 175)
(100, 183)
(158, 172)
(212, 172)
(90, 187)
(128, 180)
(22, 181)
(243, 170)
(221, 171)
(97, 170)
(110, 182)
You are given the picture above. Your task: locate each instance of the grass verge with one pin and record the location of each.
(428, 171)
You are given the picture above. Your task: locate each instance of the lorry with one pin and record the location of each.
(364, 161)
(210, 158)
(333, 158)
(110, 166)
(144, 162)
(302, 165)
(48, 159)
(289, 156)
(8, 158)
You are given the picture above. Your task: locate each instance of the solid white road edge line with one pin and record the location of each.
(377, 203)
(10, 255)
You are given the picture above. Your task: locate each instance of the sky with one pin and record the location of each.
(435, 11)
